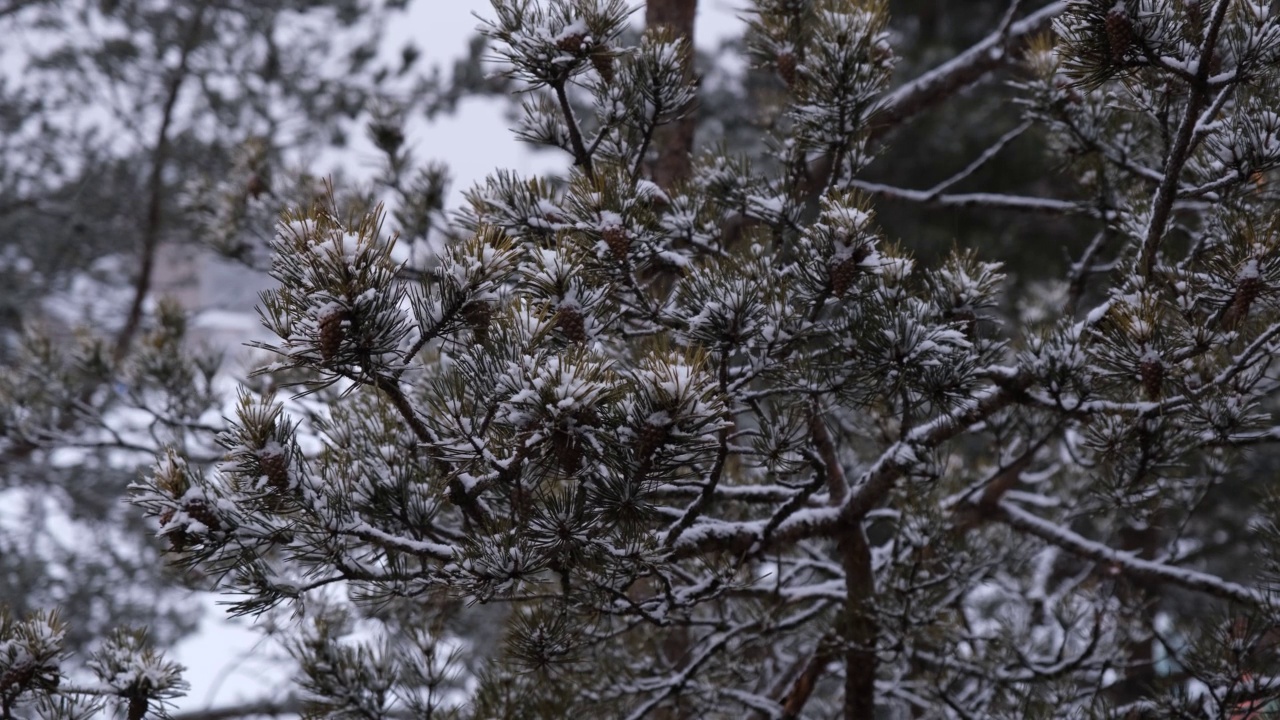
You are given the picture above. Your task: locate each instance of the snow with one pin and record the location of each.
(1128, 561)
(577, 27)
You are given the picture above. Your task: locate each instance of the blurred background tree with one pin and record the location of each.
(111, 113)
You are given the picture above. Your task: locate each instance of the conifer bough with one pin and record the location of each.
(593, 459)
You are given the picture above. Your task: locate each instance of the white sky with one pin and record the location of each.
(226, 661)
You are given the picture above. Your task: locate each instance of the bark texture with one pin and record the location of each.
(674, 142)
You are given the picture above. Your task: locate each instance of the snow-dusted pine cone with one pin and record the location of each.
(478, 314)
(1241, 300)
(568, 450)
(1119, 34)
(199, 511)
(650, 438)
(19, 676)
(1151, 372)
(842, 275)
(569, 321)
(967, 318)
(786, 61)
(618, 240)
(1195, 16)
(571, 43)
(275, 466)
(332, 332)
(602, 61)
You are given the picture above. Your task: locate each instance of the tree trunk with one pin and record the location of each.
(674, 142)
(858, 629)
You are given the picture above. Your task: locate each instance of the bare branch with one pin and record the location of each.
(155, 186)
(1162, 203)
(992, 201)
(1129, 563)
(965, 69)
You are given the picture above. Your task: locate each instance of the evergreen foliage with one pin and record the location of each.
(722, 448)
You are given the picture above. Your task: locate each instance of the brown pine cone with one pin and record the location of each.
(618, 240)
(571, 43)
(333, 332)
(602, 61)
(180, 539)
(200, 511)
(478, 314)
(1119, 34)
(650, 438)
(1151, 372)
(786, 61)
(1241, 300)
(275, 466)
(568, 450)
(569, 321)
(967, 318)
(842, 274)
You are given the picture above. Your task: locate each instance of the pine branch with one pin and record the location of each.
(967, 68)
(982, 159)
(1128, 563)
(581, 156)
(1162, 203)
(991, 201)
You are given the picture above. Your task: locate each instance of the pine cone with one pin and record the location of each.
(842, 274)
(256, 186)
(569, 321)
(478, 314)
(618, 240)
(571, 43)
(1241, 300)
(1119, 34)
(1151, 373)
(199, 511)
(1195, 17)
(650, 438)
(786, 61)
(333, 332)
(20, 675)
(275, 466)
(387, 136)
(568, 450)
(1069, 94)
(137, 706)
(844, 270)
(602, 61)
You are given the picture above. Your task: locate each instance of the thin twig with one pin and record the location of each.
(991, 201)
(981, 160)
(1162, 203)
(581, 156)
(155, 188)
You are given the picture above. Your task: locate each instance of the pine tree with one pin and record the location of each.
(110, 112)
(711, 445)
